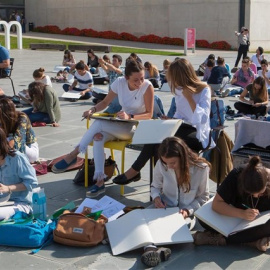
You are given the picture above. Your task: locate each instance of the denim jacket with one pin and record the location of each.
(18, 170)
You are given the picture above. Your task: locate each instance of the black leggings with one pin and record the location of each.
(249, 109)
(246, 236)
(242, 50)
(186, 132)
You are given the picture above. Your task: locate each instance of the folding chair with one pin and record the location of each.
(9, 76)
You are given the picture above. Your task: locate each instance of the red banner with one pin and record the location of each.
(191, 35)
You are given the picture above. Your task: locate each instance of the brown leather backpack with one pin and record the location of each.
(75, 229)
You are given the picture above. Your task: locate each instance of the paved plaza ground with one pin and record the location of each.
(60, 190)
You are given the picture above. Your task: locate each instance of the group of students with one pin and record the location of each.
(181, 176)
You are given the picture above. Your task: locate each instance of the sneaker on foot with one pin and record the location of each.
(225, 93)
(261, 244)
(95, 190)
(209, 238)
(152, 256)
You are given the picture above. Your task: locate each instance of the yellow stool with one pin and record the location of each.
(112, 145)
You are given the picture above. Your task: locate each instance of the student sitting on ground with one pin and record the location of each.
(207, 72)
(219, 76)
(243, 194)
(202, 68)
(180, 180)
(18, 130)
(242, 77)
(151, 73)
(68, 60)
(114, 71)
(18, 181)
(45, 102)
(265, 73)
(258, 98)
(39, 76)
(163, 78)
(136, 96)
(251, 65)
(61, 76)
(257, 58)
(136, 57)
(92, 61)
(85, 80)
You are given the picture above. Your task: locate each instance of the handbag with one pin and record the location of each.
(109, 168)
(22, 230)
(74, 229)
(41, 168)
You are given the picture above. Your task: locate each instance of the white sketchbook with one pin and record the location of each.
(155, 131)
(228, 225)
(147, 226)
(72, 94)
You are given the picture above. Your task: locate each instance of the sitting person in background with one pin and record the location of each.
(207, 72)
(68, 60)
(45, 102)
(163, 78)
(114, 71)
(219, 77)
(202, 68)
(106, 58)
(136, 57)
(181, 179)
(85, 80)
(17, 181)
(39, 76)
(18, 130)
(265, 73)
(61, 76)
(151, 73)
(92, 61)
(251, 65)
(257, 58)
(258, 98)
(243, 194)
(241, 78)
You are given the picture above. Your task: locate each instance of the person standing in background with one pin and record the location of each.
(23, 22)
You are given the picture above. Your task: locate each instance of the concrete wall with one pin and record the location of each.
(214, 19)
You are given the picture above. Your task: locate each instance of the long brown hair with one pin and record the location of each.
(254, 178)
(181, 73)
(176, 147)
(36, 92)
(9, 117)
(262, 93)
(153, 71)
(4, 146)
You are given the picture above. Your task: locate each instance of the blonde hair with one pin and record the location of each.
(38, 73)
(153, 71)
(166, 63)
(181, 73)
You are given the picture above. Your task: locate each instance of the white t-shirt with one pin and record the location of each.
(46, 80)
(132, 102)
(267, 75)
(84, 80)
(254, 59)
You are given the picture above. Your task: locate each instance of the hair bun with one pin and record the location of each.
(41, 69)
(254, 161)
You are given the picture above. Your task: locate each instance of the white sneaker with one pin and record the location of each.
(225, 93)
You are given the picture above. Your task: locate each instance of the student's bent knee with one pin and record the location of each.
(98, 137)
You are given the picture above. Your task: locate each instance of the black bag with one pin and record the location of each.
(109, 168)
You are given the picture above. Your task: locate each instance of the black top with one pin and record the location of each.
(217, 75)
(93, 63)
(229, 192)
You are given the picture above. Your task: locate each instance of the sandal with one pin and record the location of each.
(62, 165)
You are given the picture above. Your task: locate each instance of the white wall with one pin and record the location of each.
(214, 20)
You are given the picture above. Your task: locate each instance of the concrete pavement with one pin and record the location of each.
(59, 188)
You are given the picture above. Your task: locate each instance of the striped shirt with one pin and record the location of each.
(84, 80)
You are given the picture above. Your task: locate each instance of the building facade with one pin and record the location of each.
(214, 20)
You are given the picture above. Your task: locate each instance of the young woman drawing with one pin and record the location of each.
(136, 96)
(180, 180)
(17, 179)
(243, 194)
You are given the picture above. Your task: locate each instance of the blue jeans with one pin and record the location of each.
(114, 106)
(86, 96)
(235, 92)
(172, 109)
(37, 116)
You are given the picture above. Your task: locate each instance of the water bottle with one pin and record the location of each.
(39, 203)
